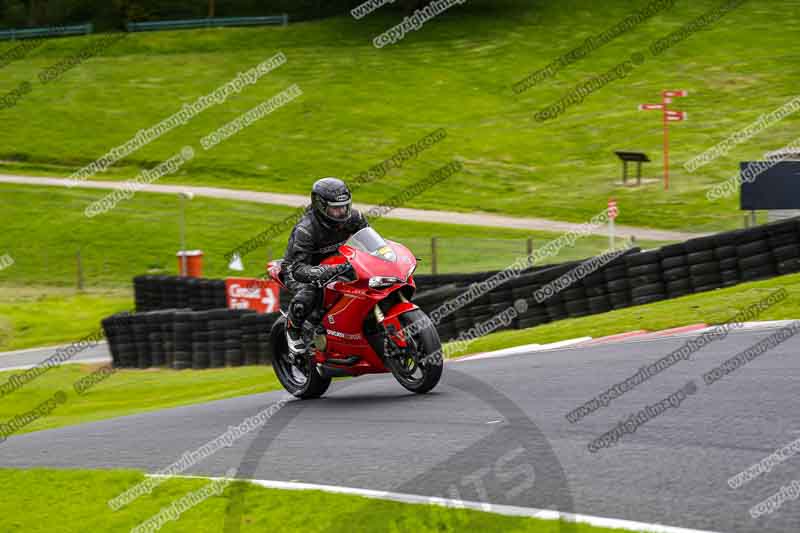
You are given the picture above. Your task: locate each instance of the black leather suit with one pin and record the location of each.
(311, 241)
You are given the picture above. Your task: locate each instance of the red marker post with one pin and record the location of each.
(612, 214)
(668, 115)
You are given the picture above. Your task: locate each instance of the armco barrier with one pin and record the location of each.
(52, 31)
(211, 22)
(222, 337)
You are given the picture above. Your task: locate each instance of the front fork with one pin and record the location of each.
(396, 336)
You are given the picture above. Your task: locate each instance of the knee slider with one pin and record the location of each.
(298, 308)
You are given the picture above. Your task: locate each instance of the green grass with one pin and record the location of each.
(75, 501)
(361, 104)
(48, 316)
(129, 391)
(714, 307)
(142, 235)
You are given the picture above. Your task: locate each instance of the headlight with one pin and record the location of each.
(381, 282)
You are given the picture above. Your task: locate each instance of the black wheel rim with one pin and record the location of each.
(296, 374)
(407, 368)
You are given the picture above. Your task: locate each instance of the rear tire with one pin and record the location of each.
(301, 378)
(426, 345)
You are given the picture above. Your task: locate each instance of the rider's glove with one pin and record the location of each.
(325, 273)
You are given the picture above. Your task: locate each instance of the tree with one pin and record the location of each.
(37, 9)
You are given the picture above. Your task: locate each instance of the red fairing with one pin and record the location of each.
(348, 305)
(392, 319)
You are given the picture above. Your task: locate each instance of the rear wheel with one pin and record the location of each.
(419, 367)
(299, 376)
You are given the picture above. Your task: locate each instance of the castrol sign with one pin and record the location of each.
(251, 293)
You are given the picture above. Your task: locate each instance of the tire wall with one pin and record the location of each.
(181, 323)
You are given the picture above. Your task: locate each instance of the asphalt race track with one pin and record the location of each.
(495, 431)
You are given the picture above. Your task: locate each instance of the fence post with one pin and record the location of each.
(434, 266)
(285, 20)
(80, 270)
(530, 251)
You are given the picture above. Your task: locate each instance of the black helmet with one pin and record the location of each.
(331, 199)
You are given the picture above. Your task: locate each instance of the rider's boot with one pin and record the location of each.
(295, 338)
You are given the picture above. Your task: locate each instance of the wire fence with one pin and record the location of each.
(93, 266)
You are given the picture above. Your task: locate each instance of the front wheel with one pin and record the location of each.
(418, 368)
(298, 377)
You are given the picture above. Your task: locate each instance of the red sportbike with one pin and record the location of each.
(368, 324)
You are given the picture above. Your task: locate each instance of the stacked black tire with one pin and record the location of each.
(225, 337)
(201, 348)
(119, 335)
(617, 285)
(644, 277)
(255, 339)
(183, 338)
(785, 247)
(176, 292)
(636, 278)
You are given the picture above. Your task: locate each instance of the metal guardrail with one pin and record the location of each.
(283, 20)
(53, 31)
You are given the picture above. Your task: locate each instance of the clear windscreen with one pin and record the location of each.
(368, 240)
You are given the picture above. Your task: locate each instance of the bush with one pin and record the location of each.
(107, 14)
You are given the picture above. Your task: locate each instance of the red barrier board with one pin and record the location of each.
(251, 293)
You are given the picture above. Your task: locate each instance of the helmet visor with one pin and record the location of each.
(338, 211)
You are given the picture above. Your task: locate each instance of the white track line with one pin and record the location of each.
(527, 348)
(506, 510)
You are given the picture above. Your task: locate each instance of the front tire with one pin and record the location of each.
(419, 370)
(300, 378)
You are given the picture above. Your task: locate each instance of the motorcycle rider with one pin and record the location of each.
(327, 223)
